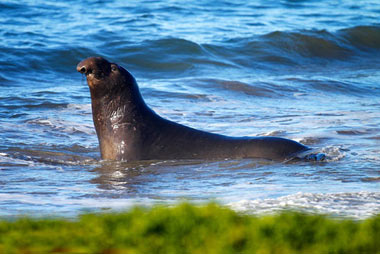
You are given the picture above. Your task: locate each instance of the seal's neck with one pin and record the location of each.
(116, 118)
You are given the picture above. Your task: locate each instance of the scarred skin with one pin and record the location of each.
(129, 130)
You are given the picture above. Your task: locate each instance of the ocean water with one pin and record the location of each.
(305, 70)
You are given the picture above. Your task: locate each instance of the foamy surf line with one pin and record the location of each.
(357, 205)
(35, 206)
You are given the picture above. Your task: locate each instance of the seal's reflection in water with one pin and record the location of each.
(121, 176)
(194, 180)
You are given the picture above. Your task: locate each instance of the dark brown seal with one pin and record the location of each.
(129, 130)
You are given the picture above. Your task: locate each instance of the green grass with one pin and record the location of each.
(191, 229)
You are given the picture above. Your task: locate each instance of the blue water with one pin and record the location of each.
(305, 70)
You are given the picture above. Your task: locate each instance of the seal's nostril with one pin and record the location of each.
(82, 68)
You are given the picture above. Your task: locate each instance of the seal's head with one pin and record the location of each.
(117, 107)
(103, 76)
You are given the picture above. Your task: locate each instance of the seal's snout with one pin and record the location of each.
(93, 65)
(82, 69)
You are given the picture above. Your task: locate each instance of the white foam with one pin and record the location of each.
(333, 153)
(278, 133)
(5, 158)
(355, 205)
(61, 200)
(44, 122)
(81, 107)
(63, 125)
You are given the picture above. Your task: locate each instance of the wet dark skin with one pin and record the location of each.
(129, 130)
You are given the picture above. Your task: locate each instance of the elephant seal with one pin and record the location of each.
(129, 130)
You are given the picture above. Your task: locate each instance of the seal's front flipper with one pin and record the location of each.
(315, 157)
(309, 155)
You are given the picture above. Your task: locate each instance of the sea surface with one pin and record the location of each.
(304, 70)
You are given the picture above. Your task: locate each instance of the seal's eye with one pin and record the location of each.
(113, 67)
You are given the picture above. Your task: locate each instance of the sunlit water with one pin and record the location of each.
(305, 70)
